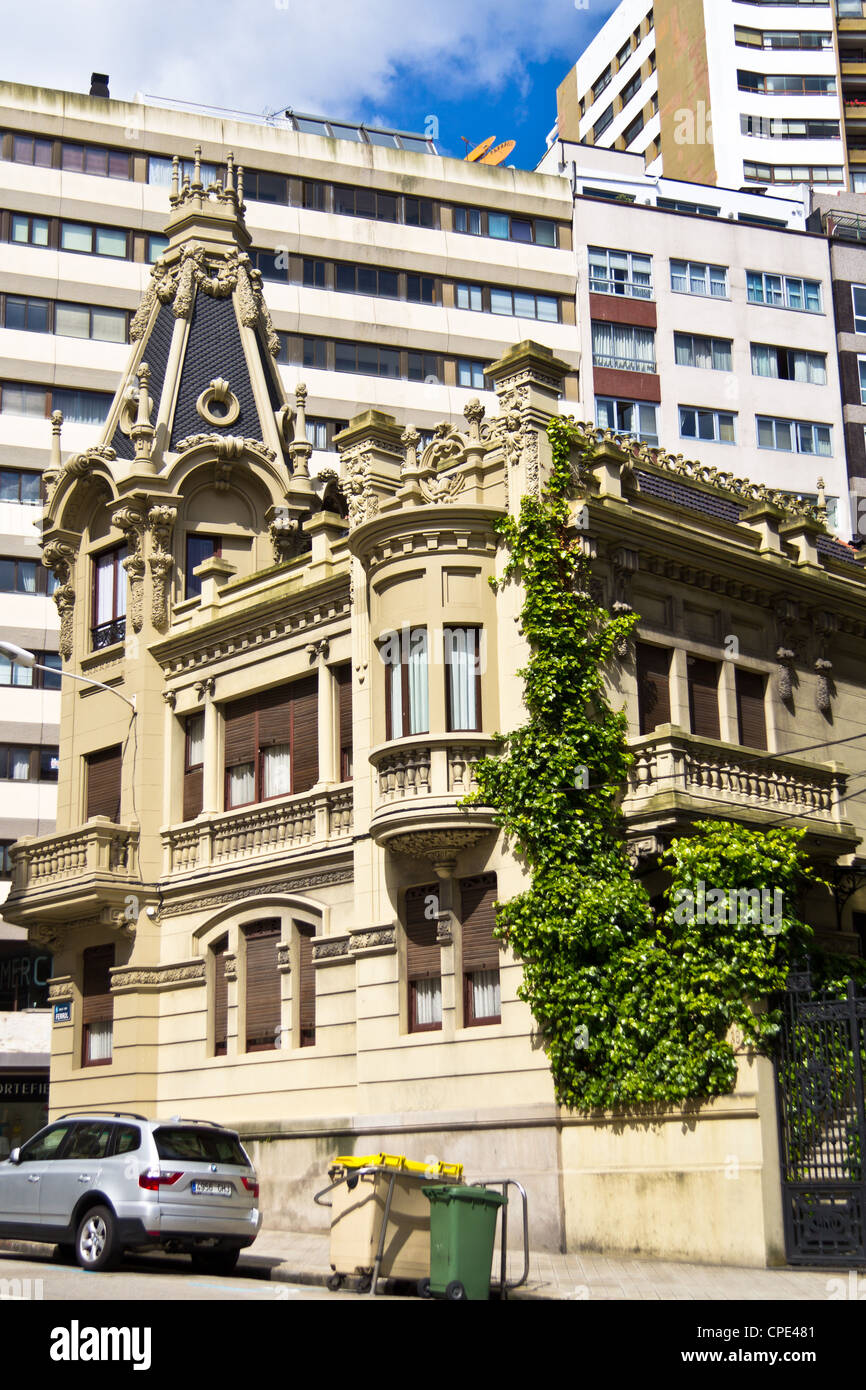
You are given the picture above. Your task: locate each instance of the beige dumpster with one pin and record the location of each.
(358, 1208)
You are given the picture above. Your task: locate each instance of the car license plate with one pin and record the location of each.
(213, 1189)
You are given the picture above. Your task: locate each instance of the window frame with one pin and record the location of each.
(699, 411)
(407, 636)
(109, 628)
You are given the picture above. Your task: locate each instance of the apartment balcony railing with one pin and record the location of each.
(58, 877)
(419, 785)
(279, 827)
(623, 364)
(678, 776)
(628, 289)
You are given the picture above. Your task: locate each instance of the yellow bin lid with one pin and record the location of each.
(400, 1161)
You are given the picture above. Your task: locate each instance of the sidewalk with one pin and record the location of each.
(296, 1257)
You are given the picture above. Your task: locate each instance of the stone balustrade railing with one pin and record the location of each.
(99, 847)
(433, 765)
(287, 824)
(723, 776)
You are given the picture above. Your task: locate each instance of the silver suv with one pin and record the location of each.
(97, 1184)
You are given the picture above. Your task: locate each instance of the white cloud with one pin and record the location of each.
(347, 58)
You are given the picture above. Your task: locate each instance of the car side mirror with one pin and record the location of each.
(15, 1156)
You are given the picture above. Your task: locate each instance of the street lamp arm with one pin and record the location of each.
(37, 666)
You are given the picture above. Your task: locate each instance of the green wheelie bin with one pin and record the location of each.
(462, 1232)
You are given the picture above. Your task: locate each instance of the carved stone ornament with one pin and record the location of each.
(825, 688)
(159, 977)
(328, 948)
(368, 939)
(226, 446)
(61, 989)
(316, 878)
(218, 404)
(205, 688)
(230, 967)
(785, 673)
(356, 486)
(287, 539)
(132, 524)
(216, 276)
(60, 559)
(436, 845)
(161, 521)
(284, 958)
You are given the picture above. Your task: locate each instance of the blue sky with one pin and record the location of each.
(481, 67)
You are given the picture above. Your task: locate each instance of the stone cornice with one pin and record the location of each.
(155, 978)
(194, 900)
(465, 527)
(274, 617)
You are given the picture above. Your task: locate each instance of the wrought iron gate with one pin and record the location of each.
(822, 1124)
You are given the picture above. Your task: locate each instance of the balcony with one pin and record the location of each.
(419, 785)
(677, 778)
(259, 832)
(60, 878)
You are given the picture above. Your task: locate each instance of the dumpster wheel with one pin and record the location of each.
(455, 1291)
(422, 1288)
(365, 1283)
(334, 1282)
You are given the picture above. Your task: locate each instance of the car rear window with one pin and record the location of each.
(199, 1146)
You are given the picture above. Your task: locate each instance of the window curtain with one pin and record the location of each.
(99, 1040)
(242, 784)
(622, 347)
(764, 360)
(395, 677)
(683, 350)
(428, 1002)
(276, 771)
(20, 760)
(104, 589)
(419, 715)
(460, 655)
(485, 994)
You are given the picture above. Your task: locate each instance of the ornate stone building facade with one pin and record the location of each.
(266, 901)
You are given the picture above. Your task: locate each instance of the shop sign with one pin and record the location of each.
(32, 1088)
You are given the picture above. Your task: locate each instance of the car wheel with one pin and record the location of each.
(215, 1261)
(96, 1242)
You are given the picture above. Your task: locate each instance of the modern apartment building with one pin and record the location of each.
(742, 93)
(394, 277)
(706, 324)
(265, 898)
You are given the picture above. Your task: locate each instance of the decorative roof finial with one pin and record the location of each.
(300, 449)
(230, 172)
(175, 179)
(196, 178)
(56, 423)
(142, 431)
(241, 188)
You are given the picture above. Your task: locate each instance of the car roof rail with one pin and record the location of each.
(187, 1120)
(109, 1114)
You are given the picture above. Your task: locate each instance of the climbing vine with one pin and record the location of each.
(634, 1001)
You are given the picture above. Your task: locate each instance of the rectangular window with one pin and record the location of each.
(108, 621)
(603, 123)
(219, 951)
(198, 549)
(469, 297)
(631, 88)
(27, 149)
(104, 771)
(98, 241)
(794, 436)
(27, 314)
(691, 277)
(777, 83)
(343, 677)
(25, 764)
(262, 986)
(406, 675)
(272, 744)
(502, 226)
(751, 718)
(420, 289)
(193, 766)
(638, 419)
(789, 364)
(21, 576)
(623, 348)
(306, 985)
(37, 402)
(713, 354)
(703, 681)
(463, 678)
(653, 686)
(29, 231)
(97, 1006)
(480, 951)
(858, 293)
(470, 374)
(620, 272)
(783, 291)
(861, 367)
(715, 426)
(29, 677)
(633, 130)
(21, 485)
(423, 959)
(86, 321)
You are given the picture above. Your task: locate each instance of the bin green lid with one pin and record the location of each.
(450, 1193)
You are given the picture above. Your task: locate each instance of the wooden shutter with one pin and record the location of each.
(653, 687)
(193, 792)
(305, 734)
(263, 985)
(306, 985)
(97, 1003)
(480, 949)
(704, 697)
(344, 689)
(750, 709)
(220, 998)
(240, 731)
(103, 783)
(274, 715)
(423, 952)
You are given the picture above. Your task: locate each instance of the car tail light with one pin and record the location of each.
(251, 1186)
(153, 1180)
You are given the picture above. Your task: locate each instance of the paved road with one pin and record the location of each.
(148, 1278)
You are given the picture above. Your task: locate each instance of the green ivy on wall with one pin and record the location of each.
(632, 1005)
